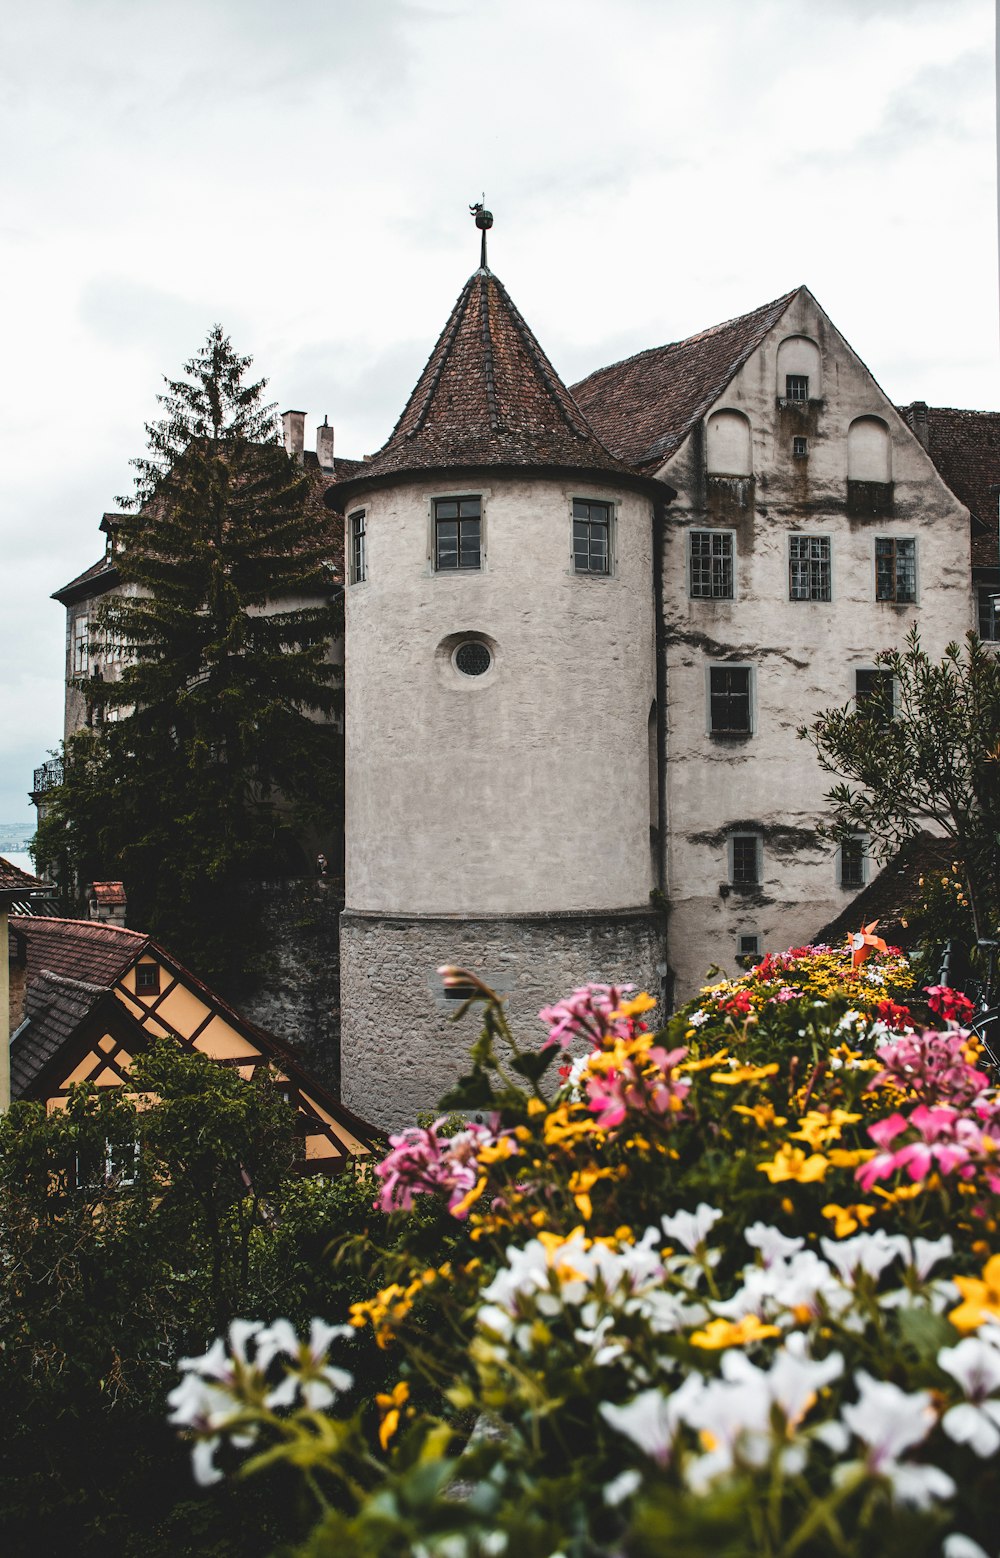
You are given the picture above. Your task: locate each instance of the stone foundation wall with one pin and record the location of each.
(400, 1047)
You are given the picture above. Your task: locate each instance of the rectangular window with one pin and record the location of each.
(800, 448)
(852, 862)
(746, 860)
(147, 979)
(711, 564)
(989, 630)
(591, 536)
(729, 700)
(895, 570)
(797, 386)
(358, 562)
(809, 568)
(875, 694)
(80, 646)
(748, 949)
(457, 533)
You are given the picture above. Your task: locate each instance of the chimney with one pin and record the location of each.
(324, 445)
(293, 425)
(917, 418)
(106, 901)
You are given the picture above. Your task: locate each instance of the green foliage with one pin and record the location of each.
(936, 764)
(128, 1236)
(215, 744)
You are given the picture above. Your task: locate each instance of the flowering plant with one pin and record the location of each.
(731, 1287)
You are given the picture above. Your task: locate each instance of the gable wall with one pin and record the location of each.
(803, 654)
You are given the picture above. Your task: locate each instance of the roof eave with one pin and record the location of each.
(345, 492)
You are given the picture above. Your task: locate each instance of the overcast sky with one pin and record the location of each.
(302, 174)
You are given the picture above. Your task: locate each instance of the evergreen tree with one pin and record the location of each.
(216, 742)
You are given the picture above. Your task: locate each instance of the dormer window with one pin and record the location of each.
(796, 386)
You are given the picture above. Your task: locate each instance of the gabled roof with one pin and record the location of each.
(87, 950)
(488, 397)
(13, 879)
(965, 447)
(645, 406)
(54, 1009)
(95, 580)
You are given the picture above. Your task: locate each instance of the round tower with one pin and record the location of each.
(501, 785)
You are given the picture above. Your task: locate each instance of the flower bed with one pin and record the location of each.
(731, 1289)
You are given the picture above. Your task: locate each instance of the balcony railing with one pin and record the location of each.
(48, 776)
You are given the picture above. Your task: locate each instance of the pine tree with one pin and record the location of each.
(217, 739)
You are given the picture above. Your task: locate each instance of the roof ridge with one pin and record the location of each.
(489, 367)
(450, 331)
(550, 378)
(68, 980)
(101, 927)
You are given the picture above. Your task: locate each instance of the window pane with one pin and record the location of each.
(581, 510)
(446, 508)
(906, 570)
(469, 508)
(987, 616)
(852, 863)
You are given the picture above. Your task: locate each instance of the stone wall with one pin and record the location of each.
(298, 993)
(401, 1048)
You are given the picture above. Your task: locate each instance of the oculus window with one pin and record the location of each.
(591, 536)
(457, 533)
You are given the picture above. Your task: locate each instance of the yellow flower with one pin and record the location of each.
(791, 1163)
(461, 1207)
(744, 1074)
(980, 1297)
(847, 1218)
(729, 1333)
(390, 1407)
(762, 1114)
(504, 1148)
(849, 1157)
(902, 1192)
(581, 1184)
(638, 1004)
(703, 1065)
(818, 1127)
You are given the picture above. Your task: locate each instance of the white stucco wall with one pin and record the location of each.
(803, 654)
(525, 789)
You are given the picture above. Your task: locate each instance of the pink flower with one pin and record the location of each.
(423, 1163)
(625, 1088)
(938, 1130)
(932, 1066)
(588, 1014)
(950, 1004)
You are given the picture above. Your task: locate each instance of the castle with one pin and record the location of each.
(583, 626)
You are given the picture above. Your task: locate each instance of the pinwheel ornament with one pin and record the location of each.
(864, 943)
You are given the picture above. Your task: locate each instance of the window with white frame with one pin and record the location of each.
(809, 570)
(745, 859)
(729, 701)
(357, 544)
(852, 862)
(591, 536)
(457, 533)
(710, 564)
(896, 569)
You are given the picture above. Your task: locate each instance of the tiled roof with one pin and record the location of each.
(100, 576)
(54, 1008)
(965, 447)
(109, 893)
(87, 950)
(644, 408)
(13, 879)
(893, 895)
(488, 397)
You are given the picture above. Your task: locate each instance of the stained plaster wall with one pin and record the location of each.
(804, 654)
(402, 1048)
(525, 789)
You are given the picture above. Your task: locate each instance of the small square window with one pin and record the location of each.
(797, 386)
(591, 537)
(711, 565)
(989, 628)
(457, 533)
(729, 700)
(745, 860)
(748, 949)
(809, 576)
(896, 569)
(875, 695)
(147, 979)
(800, 448)
(358, 556)
(852, 863)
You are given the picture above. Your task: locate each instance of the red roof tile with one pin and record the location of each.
(87, 950)
(109, 893)
(644, 408)
(488, 397)
(13, 879)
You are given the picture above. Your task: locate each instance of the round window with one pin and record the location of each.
(473, 658)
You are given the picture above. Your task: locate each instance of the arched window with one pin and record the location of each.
(868, 450)
(727, 445)
(799, 375)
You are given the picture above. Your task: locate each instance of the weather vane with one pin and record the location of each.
(484, 221)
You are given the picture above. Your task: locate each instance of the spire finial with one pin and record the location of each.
(484, 221)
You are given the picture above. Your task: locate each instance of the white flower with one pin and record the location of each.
(919, 1485)
(959, 1546)
(867, 1252)
(203, 1462)
(691, 1228)
(925, 1253)
(214, 1364)
(771, 1242)
(651, 1419)
(697, 1018)
(622, 1487)
(886, 1419)
(975, 1364)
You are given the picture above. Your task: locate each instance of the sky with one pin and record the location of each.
(302, 175)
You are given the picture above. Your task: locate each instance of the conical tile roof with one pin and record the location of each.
(488, 397)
